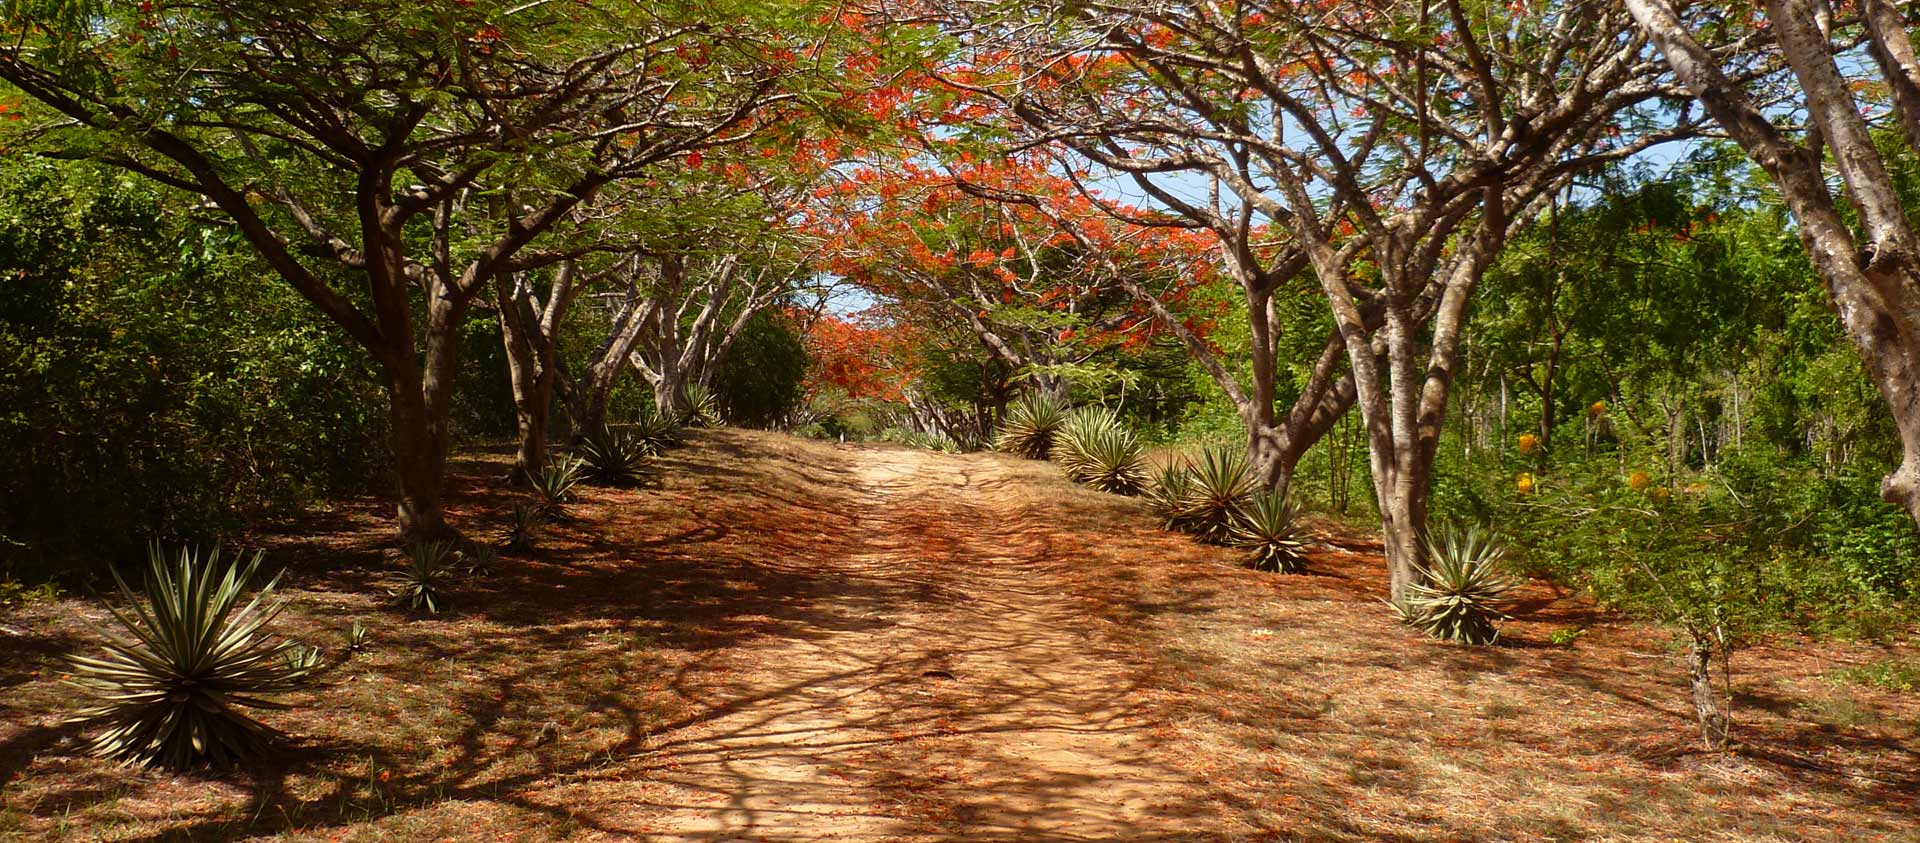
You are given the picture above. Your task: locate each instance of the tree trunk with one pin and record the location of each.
(1714, 723)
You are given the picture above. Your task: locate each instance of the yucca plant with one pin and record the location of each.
(526, 522)
(617, 459)
(1169, 490)
(171, 695)
(1219, 487)
(555, 487)
(1111, 460)
(656, 432)
(1031, 425)
(1462, 595)
(1080, 427)
(702, 406)
(1269, 527)
(429, 569)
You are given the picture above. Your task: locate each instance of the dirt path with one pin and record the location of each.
(970, 702)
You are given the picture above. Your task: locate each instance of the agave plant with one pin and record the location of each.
(555, 487)
(1080, 427)
(1269, 527)
(526, 522)
(703, 407)
(617, 459)
(1169, 490)
(1110, 459)
(1462, 595)
(1031, 425)
(423, 583)
(929, 440)
(171, 695)
(1219, 487)
(655, 432)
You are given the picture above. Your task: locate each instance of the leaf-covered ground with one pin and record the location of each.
(795, 641)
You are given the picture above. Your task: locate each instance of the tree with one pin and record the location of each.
(419, 151)
(1871, 267)
(1389, 148)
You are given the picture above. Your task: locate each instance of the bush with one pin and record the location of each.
(758, 382)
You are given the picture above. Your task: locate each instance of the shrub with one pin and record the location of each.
(1463, 592)
(170, 695)
(1031, 425)
(1269, 526)
(759, 379)
(1219, 487)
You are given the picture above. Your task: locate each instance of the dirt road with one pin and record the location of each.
(948, 689)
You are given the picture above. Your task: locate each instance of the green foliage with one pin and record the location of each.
(149, 384)
(1891, 675)
(1462, 593)
(555, 486)
(1031, 425)
(759, 381)
(430, 568)
(1269, 527)
(170, 694)
(615, 458)
(1219, 488)
(1565, 636)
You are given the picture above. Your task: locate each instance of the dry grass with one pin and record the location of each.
(792, 641)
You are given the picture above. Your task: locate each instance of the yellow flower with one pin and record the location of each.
(1598, 409)
(1659, 494)
(1524, 483)
(1528, 442)
(1639, 481)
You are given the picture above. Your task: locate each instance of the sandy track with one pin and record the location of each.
(971, 701)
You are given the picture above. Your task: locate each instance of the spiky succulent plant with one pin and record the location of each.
(1269, 527)
(702, 406)
(1462, 593)
(520, 531)
(1080, 426)
(614, 458)
(1031, 425)
(428, 571)
(1167, 494)
(555, 486)
(1109, 458)
(656, 432)
(1220, 486)
(171, 694)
